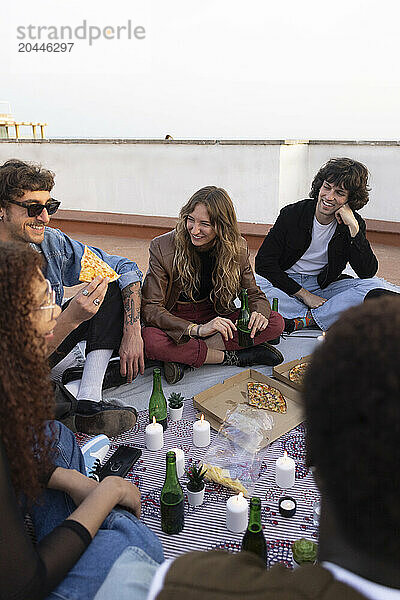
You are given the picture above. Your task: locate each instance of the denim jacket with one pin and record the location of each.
(63, 262)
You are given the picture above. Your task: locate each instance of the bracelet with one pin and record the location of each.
(189, 330)
(197, 332)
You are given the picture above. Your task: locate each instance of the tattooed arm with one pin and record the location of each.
(131, 349)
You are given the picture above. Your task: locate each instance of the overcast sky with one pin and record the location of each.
(218, 69)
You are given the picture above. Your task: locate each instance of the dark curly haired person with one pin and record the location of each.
(303, 256)
(81, 532)
(351, 395)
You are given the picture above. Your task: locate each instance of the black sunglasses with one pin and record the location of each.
(35, 208)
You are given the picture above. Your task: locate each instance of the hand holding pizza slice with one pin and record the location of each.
(92, 266)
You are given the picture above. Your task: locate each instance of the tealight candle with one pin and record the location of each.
(201, 433)
(236, 513)
(154, 436)
(287, 506)
(180, 461)
(285, 471)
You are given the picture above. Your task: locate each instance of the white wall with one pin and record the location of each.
(157, 179)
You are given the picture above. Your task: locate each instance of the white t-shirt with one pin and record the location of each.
(315, 257)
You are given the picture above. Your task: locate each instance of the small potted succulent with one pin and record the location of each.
(304, 551)
(175, 402)
(195, 485)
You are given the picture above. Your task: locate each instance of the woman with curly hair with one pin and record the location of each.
(42, 471)
(195, 274)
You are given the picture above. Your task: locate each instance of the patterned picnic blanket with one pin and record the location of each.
(205, 526)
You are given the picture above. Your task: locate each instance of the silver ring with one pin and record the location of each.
(85, 292)
(96, 301)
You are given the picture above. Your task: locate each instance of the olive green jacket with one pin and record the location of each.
(218, 575)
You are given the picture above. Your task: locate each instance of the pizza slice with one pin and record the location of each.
(264, 396)
(92, 265)
(296, 374)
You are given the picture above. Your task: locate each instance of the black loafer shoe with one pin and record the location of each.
(289, 325)
(263, 354)
(173, 372)
(94, 418)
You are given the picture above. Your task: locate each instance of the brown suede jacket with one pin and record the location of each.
(218, 575)
(161, 290)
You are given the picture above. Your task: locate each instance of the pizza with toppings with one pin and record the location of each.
(92, 265)
(296, 374)
(264, 396)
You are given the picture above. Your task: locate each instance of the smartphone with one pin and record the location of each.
(120, 462)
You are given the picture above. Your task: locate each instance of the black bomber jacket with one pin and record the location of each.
(290, 237)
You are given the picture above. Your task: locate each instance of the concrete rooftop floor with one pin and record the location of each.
(138, 250)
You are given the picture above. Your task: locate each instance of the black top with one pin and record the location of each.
(290, 237)
(28, 571)
(207, 265)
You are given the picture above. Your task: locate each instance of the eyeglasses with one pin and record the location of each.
(50, 302)
(35, 208)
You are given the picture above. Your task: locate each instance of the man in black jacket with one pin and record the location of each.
(302, 259)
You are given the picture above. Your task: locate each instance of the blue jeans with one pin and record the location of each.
(340, 296)
(119, 531)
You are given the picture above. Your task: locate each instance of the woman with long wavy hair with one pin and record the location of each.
(195, 274)
(42, 472)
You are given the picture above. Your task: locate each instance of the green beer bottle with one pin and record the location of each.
(172, 507)
(275, 341)
(253, 539)
(244, 338)
(158, 403)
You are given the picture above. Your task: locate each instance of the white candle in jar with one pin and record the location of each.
(236, 513)
(285, 471)
(201, 433)
(180, 461)
(154, 436)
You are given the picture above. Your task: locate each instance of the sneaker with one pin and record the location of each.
(173, 372)
(94, 452)
(94, 418)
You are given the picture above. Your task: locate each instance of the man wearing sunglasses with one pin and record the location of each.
(106, 315)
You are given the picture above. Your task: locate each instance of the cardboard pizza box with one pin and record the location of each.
(218, 399)
(281, 372)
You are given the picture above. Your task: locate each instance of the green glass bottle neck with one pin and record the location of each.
(254, 525)
(171, 475)
(157, 382)
(244, 300)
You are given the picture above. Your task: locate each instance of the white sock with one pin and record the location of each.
(93, 375)
(73, 359)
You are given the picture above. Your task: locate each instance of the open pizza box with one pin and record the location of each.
(217, 400)
(281, 372)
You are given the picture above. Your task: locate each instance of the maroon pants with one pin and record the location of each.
(159, 346)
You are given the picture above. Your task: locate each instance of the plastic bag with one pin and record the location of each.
(234, 457)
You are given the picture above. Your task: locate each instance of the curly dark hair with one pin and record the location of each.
(352, 397)
(17, 177)
(26, 396)
(349, 173)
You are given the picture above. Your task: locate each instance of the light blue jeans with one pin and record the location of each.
(340, 296)
(120, 531)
